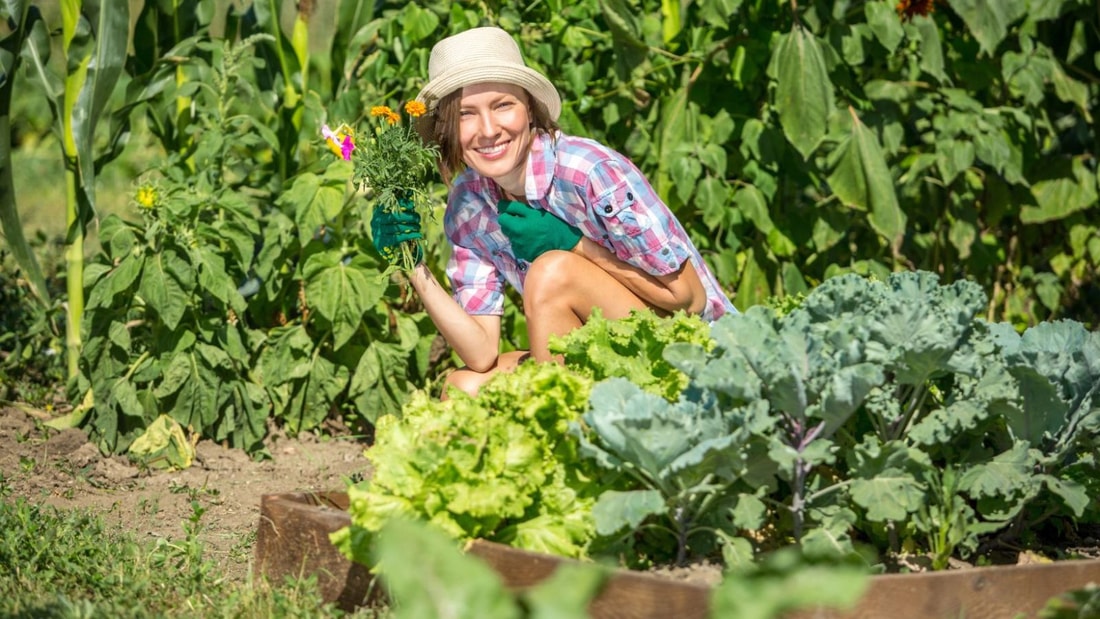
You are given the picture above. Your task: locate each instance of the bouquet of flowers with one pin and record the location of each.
(393, 166)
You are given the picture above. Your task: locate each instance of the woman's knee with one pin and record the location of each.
(467, 381)
(470, 381)
(548, 277)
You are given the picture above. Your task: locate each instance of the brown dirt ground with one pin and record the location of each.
(63, 469)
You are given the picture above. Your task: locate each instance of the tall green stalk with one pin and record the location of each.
(94, 36)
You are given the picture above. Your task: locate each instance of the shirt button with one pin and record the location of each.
(629, 196)
(608, 209)
(605, 236)
(523, 266)
(665, 250)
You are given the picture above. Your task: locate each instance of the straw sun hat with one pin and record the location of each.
(481, 55)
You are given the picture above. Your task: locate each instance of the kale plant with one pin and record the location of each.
(888, 411)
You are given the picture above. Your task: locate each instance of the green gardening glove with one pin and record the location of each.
(534, 232)
(395, 233)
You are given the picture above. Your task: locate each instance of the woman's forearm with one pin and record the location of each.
(476, 339)
(682, 290)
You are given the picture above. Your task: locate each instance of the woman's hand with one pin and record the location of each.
(680, 290)
(534, 232)
(390, 228)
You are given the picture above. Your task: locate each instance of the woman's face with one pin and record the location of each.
(494, 128)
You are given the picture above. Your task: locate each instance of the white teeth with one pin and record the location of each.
(492, 150)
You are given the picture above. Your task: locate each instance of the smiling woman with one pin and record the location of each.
(571, 224)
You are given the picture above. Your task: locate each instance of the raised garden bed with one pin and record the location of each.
(292, 540)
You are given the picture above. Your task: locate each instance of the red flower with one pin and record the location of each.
(908, 9)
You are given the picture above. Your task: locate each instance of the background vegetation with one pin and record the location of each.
(796, 140)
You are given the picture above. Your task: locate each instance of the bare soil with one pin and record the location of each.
(65, 470)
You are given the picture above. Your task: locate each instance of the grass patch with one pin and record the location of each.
(57, 563)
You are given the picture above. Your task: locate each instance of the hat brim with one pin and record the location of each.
(542, 91)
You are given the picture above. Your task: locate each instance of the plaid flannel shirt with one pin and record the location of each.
(585, 184)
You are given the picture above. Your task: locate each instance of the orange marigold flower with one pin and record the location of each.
(415, 109)
(908, 9)
(385, 112)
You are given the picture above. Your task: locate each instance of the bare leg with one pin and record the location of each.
(559, 293)
(470, 381)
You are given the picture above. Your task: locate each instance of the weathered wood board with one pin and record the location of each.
(292, 540)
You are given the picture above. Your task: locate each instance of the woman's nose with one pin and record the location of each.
(485, 125)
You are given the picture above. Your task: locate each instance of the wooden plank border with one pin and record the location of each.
(292, 540)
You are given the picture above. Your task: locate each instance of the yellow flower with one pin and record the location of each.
(146, 196)
(385, 112)
(415, 109)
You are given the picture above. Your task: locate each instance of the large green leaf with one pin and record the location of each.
(989, 20)
(110, 23)
(380, 383)
(338, 289)
(1066, 188)
(861, 178)
(316, 201)
(165, 286)
(885, 24)
(753, 288)
(615, 510)
(429, 578)
(314, 397)
(884, 481)
(803, 92)
(10, 225)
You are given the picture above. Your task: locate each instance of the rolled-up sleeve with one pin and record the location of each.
(638, 226)
(477, 285)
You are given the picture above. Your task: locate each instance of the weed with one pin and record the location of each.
(147, 507)
(241, 552)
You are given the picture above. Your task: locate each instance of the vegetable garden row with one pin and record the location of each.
(877, 420)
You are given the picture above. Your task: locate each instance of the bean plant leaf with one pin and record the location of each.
(317, 200)
(379, 385)
(861, 179)
(884, 24)
(338, 289)
(989, 20)
(931, 48)
(804, 92)
(1069, 187)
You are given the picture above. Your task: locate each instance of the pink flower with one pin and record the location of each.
(340, 141)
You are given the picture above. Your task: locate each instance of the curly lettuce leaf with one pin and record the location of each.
(632, 348)
(500, 466)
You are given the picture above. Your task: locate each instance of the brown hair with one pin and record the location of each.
(445, 131)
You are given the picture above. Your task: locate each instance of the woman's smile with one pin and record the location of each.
(495, 132)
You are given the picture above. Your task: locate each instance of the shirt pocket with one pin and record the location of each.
(618, 209)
